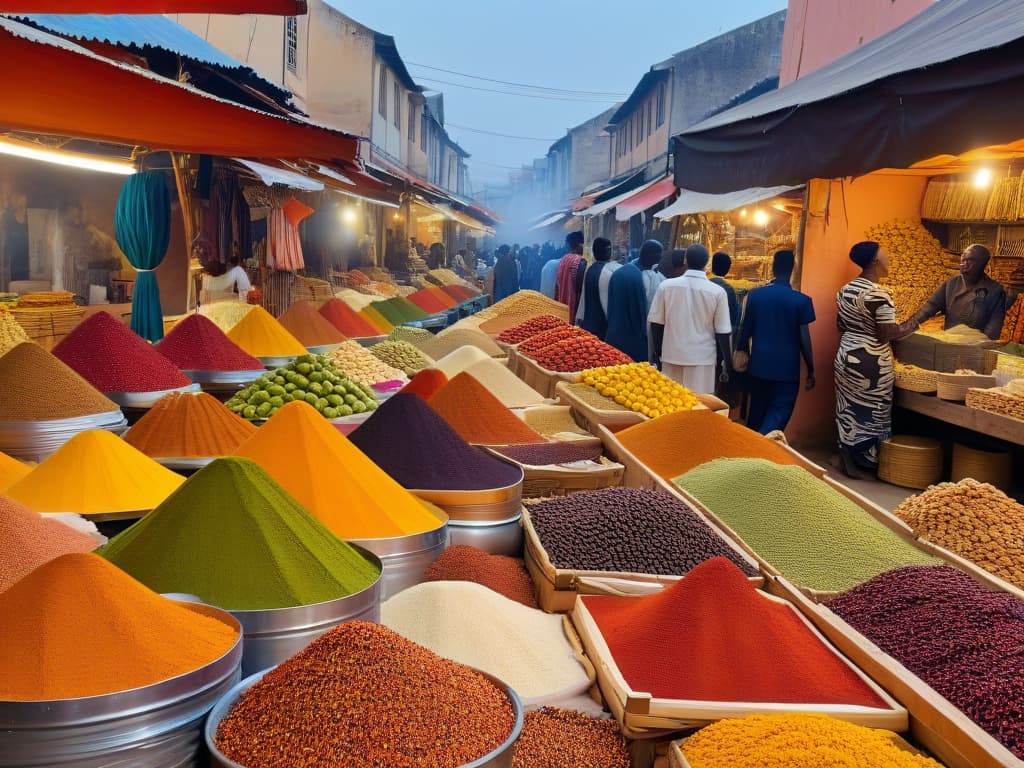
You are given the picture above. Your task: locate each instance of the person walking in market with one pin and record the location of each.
(630, 292)
(689, 323)
(775, 332)
(506, 275)
(569, 276)
(721, 263)
(972, 298)
(592, 314)
(863, 364)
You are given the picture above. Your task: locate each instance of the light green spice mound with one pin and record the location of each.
(236, 539)
(812, 534)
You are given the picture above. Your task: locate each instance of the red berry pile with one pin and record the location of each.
(578, 354)
(533, 345)
(531, 328)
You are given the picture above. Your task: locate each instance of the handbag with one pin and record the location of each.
(740, 360)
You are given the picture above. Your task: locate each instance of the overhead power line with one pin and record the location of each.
(543, 97)
(501, 135)
(563, 91)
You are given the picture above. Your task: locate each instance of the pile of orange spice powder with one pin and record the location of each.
(389, 702)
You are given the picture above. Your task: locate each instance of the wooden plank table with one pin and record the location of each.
(991, 424)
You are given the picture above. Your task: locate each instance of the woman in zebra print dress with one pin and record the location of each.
(863, 365)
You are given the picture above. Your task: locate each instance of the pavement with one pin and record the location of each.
(883, 494)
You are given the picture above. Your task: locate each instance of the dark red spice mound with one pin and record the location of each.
(505, 575)
(413, 444)
(960, 638)
(104, 352)
(196, 343)
(713, 637)
(425, 383)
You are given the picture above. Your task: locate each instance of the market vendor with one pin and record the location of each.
(972, 298)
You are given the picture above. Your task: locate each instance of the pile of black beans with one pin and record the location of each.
(630, 530)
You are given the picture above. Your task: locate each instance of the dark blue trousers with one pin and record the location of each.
(771, 404)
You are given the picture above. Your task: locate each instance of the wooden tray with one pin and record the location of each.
(947, 732)
(557, 588)
(558, 480)
(541, 379)
(592, 417)
(638, 475)
(639, 710)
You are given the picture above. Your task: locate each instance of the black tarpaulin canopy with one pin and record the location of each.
(949, 80)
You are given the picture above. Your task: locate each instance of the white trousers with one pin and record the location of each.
(697, 378)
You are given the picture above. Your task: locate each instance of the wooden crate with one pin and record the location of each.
(541, 379)
(557, 588)
(558, 480)
(591, 417)
(639, 712)
(944, 730)
(638, 475)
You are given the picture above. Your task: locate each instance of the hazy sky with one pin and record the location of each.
(569, 45)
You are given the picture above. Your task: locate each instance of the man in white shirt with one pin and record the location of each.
(688, 316)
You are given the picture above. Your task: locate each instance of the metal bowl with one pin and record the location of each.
(322, 349)
(225, 378)
(276, 362)
(274, 634)
(146, 399)
(499, 758)
(497, 537)
(405, 558)
(491, 504)
(156, 726)
(35, 440)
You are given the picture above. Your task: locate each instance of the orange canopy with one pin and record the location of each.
(54, 86)
(270, 7)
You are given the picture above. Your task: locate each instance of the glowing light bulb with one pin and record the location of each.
(348, 215)
(760, 217)
(982, 178)
(69, 159)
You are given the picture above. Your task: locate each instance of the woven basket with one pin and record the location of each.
(954, 386)
(916, 380)
(994, 467)
(996, 401)
(910, 461)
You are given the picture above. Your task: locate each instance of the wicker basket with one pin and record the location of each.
(910, 461)
(993, 467)
(954, 386)
(1001, 401)
(915, 379)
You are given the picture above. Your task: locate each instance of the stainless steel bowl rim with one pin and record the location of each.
(486, 523)
(224, 377)
(223, 707)
(398, 545)
(320, 349)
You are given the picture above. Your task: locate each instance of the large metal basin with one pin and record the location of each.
(274, 634)
(499, 537)
(499, 758)
(491, 504)
(405, 558)
(158, 726)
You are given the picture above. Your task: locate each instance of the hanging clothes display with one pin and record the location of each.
(285, 251)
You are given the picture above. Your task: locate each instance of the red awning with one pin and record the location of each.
(644, 199)
(269, 7)
(584, 201)
(53, 86)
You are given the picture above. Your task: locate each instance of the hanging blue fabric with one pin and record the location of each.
(142, 223)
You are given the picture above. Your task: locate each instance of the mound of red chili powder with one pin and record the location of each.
(196, 343)
(713, 637)
(104, 352)
(364, 695)
(962, 639)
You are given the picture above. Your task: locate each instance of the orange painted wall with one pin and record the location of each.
(819, 31)
(832, 227)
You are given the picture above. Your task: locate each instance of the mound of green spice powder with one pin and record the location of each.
(236, 539)
(811, 533)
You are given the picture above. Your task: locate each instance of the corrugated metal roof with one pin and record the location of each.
(142, 31)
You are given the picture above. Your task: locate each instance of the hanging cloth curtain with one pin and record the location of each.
(142, 223)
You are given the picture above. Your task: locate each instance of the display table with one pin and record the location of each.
(990, 424)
